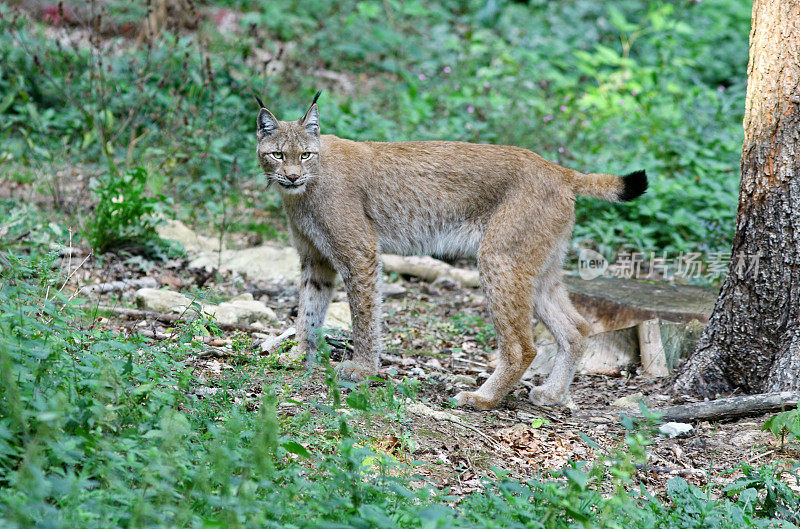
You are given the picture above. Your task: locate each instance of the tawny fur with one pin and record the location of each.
(346, 202)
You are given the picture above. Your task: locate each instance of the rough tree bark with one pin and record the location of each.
(752, 340)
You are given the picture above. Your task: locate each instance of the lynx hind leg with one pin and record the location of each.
(316, 287)
(508, 285)
(569, 329)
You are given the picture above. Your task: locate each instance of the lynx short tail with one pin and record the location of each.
(611, 187)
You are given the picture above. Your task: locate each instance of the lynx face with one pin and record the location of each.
(288, 151)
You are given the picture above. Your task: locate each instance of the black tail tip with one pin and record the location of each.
(635, 186)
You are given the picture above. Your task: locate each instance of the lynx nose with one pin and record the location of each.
(292, 177)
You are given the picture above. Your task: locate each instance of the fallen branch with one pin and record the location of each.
(212, 341)
(429, 269)
(175, 318)
(112, 286)
(730, 407)
(671, 470)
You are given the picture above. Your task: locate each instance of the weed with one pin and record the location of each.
(126, 216)
(784, 425)
(763, 492)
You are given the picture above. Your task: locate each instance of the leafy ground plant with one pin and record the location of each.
(102, 430)
(126, 215)
(785, 426)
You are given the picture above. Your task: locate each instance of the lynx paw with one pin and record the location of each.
(474, 400)
(354, 372)
(545, 396)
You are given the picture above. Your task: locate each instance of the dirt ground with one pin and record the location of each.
(437, 338)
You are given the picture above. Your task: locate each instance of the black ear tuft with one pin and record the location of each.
(635, 184)
(258, 100)
(311, 120)
(266, 123)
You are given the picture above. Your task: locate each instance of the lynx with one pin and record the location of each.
(348, 201)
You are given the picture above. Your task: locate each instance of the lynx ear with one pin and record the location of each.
(266, 123)
(311, 120)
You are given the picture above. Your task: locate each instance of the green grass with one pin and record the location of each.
(100, 430)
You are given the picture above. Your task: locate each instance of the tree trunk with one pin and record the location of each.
(752, 340)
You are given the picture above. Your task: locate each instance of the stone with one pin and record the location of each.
(675, 429)
(246, 296)
(242, 310)
(260, 263)
(177, 231)
(161, 300)
(205, 391)
(629, 401)
(464, 380)
(338, 316)
(417, 371)
(393, 290)
(468, 278)
(419, 408)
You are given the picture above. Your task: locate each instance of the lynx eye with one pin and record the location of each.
(305, 156)
(277, 155)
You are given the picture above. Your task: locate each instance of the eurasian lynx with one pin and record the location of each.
(347, 201)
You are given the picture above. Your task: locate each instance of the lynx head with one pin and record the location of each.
(288, 151)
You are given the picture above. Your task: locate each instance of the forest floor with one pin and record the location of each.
(438, 342)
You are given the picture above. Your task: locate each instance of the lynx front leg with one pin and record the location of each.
(361, 278)
(316, 286)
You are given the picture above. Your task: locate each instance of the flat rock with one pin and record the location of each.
(261, 263)
(464, 380)
(242, 310)
(161, 300)
(177, 231)
(419, 408)
(338, 316)
(393, 290)
(675, 429)
(429, 269)
(629, 401)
